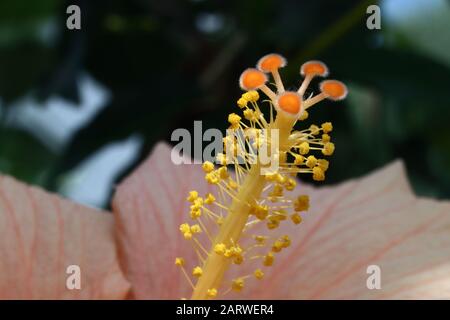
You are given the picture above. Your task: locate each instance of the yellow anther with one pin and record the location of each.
(301, 203)
(280, 178)
(236, 250)
(273, 224)
(251, 95)
(195, 229)
(298, 159)
(234, 120)
(211, 293)
(184, 227)
(303, 116)
(327, 127)
(318, 174)
(237, 284)
(193, 195)
(179, 262)
(326, 138)
(197, 271)
(198, 203)
(220, 248)
(242, 103)
(323, 164)
(250, 115)
(238, 259)
(258, 274)
(232, 184)
(228, 253)
(314, 129)
(254, 95)
(290, 184)
(328, 149)
(187, 235)
(223, 172)
(268, 259)
(286, 241)
(212, 178)
(208, 166)
(277, 246)
(219, 221)
(311, 162)
(260, 239)
(260, 211)
(209, 199)
(303, 148)
(196, 213)
(247, 96)
(296, 218)
(277, 191)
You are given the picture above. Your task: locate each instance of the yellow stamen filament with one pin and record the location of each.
(235, 221)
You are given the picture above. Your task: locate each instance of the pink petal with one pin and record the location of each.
(149, 207)
(374, 220)
(42, 234)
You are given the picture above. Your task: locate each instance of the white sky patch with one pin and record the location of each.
(90, 183)
(54, 122)
(425, 23)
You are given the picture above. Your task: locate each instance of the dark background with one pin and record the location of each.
(165, 64)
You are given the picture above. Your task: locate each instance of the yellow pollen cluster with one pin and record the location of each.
(259, 274)
(251, 192)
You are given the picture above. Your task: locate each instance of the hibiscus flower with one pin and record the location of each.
(326, 247)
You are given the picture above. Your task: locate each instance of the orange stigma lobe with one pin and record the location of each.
(252, 79)
(335, 90)
(290, 102)
(314, 68)
(271, 62)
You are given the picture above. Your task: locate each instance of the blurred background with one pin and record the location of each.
(79, 109)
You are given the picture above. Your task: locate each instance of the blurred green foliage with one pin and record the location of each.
(168, 63)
